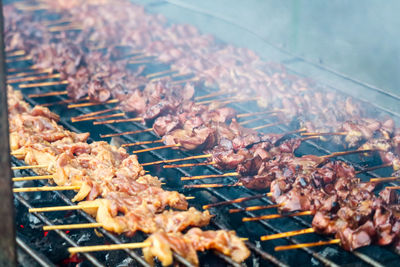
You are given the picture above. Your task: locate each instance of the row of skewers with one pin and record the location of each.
(118, 193)
(387, 141)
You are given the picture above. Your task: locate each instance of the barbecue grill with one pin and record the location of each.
(36, 247)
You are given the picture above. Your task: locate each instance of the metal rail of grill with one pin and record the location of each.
(158, 155)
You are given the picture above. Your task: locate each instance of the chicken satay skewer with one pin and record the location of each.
(15, 53)
(277, 216)
(95, 113)
(189, 165)
(30, 73)
(46, 188)
(117, 121)
(176, 160)
(253, 208)
(32, 178)
(126, 133)
(90, 104)
(18, 59)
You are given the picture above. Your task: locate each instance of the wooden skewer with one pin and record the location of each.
(143, 143)
(117, 121)
(211, 185)
(323, 134)
(89, 104)
(43, 84)
(121, 114)
(126, 133)
(250, 121)
(194, 79)
(34, 78)
(63, 208)
(176, 160)
(384, 179)
(45, 188)
(28, 167)
(30, 73)
(75, 250)
(253, 208)
(219, 93)
(268, 125)
(17, 59)
(276, 216)
(393, 187)
(16, 153)
(71, 226)
(48, 94)
(237, 200)
(139, 62)
(63, 102)
(251, 114)
(189, 165)
(375, 168)
(144, 56)
(95, 113)
(336, 154)
(55, 22)
(307, 245)
(33, 67)
(155, 148)
(288, 234)
(32, 178)
(68, 27)
(188, 178)
(308, 138)
(15, 53)
(235, 100)
(155, 74)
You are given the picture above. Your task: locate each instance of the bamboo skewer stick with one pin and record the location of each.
(307, 245)
(142, 143)
(55, 22)
(155, 74)
(126, 133)
(237, 200)
(384, 179)
(75, 250)
(155, 148)
(28, 167)
(253, 208)
(32, 178)
(63, 102)
(176, 160)
(45, 188)
(189, 165)
(211, 185)
(276, 216)
(117, 121)
(268, 125)
(89, 104)
(17, 59)
(188, 178)
(34, 78)
(63, 208)
(72, 226)
(69, 27)
(15, 53)
(393, 187)
(337, 154)
(323, 134)
(95, 113)
(43, 84)
(55, 93)
(121, 114)
(375, 168)
(251, 114)
(139, 62)
(288, 234)
(194, 79)
(219, 93)
(30, 73)
(250, 121)
(33, 67)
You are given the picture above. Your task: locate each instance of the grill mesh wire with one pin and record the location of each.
(332, 257)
